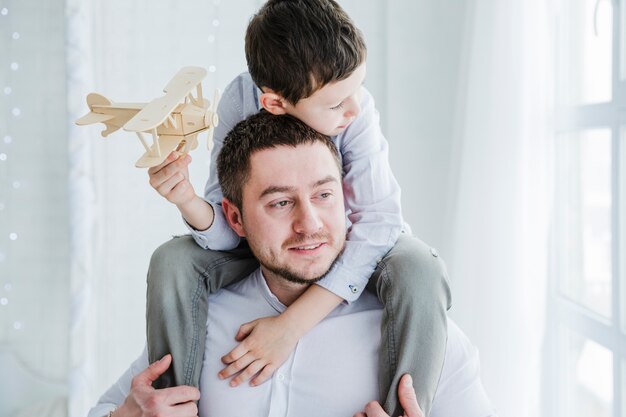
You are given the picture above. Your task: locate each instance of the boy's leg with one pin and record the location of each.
(180, 276)
(411, 282)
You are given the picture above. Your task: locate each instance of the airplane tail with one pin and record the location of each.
(98, 100)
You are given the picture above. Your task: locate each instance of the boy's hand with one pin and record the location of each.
(171, 179)
(265, 346)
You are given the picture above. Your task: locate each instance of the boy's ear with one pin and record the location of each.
(272, 102)
(233, 217)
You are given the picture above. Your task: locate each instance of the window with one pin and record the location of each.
(587, 304)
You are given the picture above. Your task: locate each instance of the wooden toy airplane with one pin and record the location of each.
(174, 125)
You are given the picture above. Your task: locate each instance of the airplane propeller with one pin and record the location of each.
(211, 118)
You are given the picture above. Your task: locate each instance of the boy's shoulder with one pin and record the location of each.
(241, 96)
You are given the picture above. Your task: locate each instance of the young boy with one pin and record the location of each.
(305, 58)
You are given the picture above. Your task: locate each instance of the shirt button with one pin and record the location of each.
(353, 288)
(433, 252)
(281, 377)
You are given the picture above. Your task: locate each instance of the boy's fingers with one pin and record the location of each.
(245, 330)
(408, 399)
(152, 372)
(250, 371)
(170, 158)
(239, 351)
(265, 374)
(236, 366)
(165, 188)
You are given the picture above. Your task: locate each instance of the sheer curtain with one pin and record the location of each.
(497, 234)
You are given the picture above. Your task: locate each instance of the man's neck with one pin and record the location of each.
(287, 292)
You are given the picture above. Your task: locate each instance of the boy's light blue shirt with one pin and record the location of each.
(371, 193)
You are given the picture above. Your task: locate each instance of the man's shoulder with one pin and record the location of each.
(460, 390)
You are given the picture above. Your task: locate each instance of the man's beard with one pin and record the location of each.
(294, 277)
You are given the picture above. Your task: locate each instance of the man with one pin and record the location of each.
(282, 191)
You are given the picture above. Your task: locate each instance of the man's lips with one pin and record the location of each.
(307, 247)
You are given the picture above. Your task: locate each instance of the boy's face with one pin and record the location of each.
(332, 108)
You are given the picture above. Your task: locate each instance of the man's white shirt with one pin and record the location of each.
(331, 372)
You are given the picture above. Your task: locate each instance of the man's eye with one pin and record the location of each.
(326, 195)
(283, 203)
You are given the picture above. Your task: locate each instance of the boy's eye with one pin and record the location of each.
(338, 106)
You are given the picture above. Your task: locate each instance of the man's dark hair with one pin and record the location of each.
(295, 47)
(258, 132)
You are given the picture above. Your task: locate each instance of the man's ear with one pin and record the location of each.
(272, 102)
(233, 217)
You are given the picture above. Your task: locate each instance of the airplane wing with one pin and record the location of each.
(167, 144)
(92, 117)
(155, 113)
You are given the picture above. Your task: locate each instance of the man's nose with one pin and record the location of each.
(307, 219)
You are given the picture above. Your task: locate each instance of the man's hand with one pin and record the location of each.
(265, 346)
(171, 179)
(145, 401)
(408, 400)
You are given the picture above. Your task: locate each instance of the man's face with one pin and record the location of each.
(332, 108)
(292, 211)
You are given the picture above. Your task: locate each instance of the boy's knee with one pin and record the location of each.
(413, 267)
(166, 255)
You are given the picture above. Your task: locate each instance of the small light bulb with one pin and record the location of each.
(16, 35)
(13, 236)
(8, 90)
(216, 22)
(16, 184)
(212, 68)
(8, 286)
(17, 325)
(3, 157)
(16, 111)
(8, 139)
(4, 11)
(4, 301)
(15, 66)
(211, 38)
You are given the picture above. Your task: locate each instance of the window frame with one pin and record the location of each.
(562, 312)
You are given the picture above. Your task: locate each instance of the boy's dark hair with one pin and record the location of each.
(295, 47)
(258, 132)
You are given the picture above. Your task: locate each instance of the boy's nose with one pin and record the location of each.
(353, 106)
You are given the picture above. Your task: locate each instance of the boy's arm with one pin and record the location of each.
(238, 101)
(267, 342)
(372, 197)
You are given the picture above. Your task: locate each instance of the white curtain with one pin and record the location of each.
(497, 234)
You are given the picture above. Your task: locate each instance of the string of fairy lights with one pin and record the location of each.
(12, 184)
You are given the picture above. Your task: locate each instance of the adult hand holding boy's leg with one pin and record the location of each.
(145, 401)
(408, 401)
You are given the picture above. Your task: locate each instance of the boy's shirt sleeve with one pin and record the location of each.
(238, 102)
(372, 198)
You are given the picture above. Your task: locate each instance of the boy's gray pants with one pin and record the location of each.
(410, 281)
